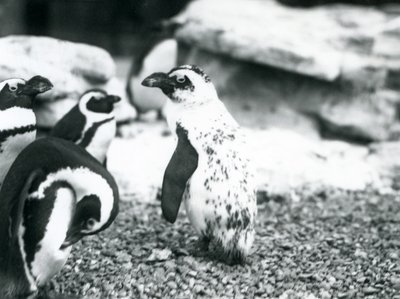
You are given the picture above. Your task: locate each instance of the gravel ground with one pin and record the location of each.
(337, 245)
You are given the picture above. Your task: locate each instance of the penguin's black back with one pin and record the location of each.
(70, 127)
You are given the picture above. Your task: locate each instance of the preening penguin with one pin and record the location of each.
(209, 170)
(91, 123)
(54, 194)
(17, 120)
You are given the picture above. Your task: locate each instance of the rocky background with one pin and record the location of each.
(319, 99)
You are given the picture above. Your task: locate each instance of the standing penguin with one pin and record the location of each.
(90, 123)
(209, 169)
(54, 194)
(17, 119)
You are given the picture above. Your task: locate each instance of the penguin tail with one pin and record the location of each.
(13, 288)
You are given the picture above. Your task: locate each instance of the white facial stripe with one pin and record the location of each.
(16, 117)
(13, 83)
(91, 116)
(94, 116)
(50, 259)
(84, 182)
(93, 94)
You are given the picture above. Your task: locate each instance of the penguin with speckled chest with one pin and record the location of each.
(17, 119)
(91, 123)
(209, 170)
(54, 194)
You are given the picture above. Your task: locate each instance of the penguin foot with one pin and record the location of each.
(236, 258)
(232, 256)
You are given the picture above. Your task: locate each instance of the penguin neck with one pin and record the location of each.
(200, 115)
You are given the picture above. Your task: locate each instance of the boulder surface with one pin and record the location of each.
(336, 65)
(73, 68)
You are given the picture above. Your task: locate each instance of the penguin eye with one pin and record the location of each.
(13, 88)
(181, 80)
(90, 223)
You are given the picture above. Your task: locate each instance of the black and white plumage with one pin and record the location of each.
(209, 170)
(54, 194)
(91, 123)
(17, 119)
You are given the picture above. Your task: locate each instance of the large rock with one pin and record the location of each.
(286, 162)
(335, 66)
(162, 58)
(73, 68)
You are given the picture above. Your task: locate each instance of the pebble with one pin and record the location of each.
(325, 295)
(172, 284)
(395, 282)
(370, 290)
(360, 253)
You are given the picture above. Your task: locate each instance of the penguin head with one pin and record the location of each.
(97, 101)
(87, 220)
(20, 93)
(184, 84)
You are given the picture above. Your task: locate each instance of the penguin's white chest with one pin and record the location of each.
(98, 147)
(10, 149)
(48, 258)
(204, 202)
(195, 204)
(51, 265)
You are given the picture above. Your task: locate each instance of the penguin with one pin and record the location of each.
(90, 123)
(17, 119)
(210, 170)
(55, 194)
(153, 31)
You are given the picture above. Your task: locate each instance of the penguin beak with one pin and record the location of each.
(113, 99)
(36, 85)
(160, 80)
(73, 236)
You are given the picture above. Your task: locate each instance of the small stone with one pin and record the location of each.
(347, 295)
(170, 265)
(159, 255)
(192, 281)
(198, 289)
(192, 273)
(370, 290)
(172, 285)
(360, 253)
(325, 295)
(395, 281)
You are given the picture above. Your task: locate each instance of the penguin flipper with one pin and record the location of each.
(180, 168)
(17, 210)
